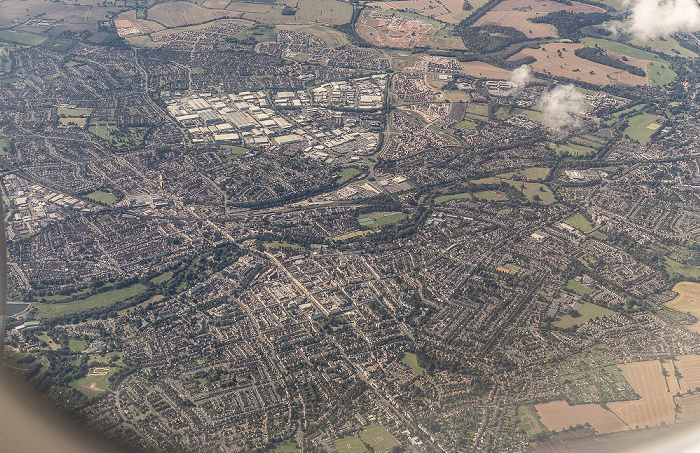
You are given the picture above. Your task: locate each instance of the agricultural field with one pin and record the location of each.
(178, 14)
(323, 12)
(689, 368)
(484, 70)
(377, 437)
(559, 415)
(380, 219)
(457, 196)
(587, 311)
(411, 361)
(477, 111)
(102, 197)
(449, 11)
(516, 14)
(349, 444)
(559, 60)
(687, 301)
(529, 423)
(16, 11)
(579, 222)
(52, 310)
(641, 127)
(667, 45)
(655, 405)
(578, 287)
(19, 37)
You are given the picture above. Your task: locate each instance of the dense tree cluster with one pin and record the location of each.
(569, 24)
(598, 55)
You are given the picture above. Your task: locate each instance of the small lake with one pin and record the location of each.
(14, 308)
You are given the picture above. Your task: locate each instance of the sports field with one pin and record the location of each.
(380, 219)
(94, 383)
(587, 311)
(349, 444)
(579, 222)
(457, 196)
(530, 174)
(492, 195)
(641, 127)
(377, 437)
(102, 197)
(578, 287)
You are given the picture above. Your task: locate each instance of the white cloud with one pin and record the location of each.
(520, 76)
(650, 19)
(561, 107)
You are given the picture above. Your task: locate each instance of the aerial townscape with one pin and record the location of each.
(355, 226)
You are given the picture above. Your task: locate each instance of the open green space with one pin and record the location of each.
(380, 219)
(235, 150)
(46, 339)
(410, 360)
(73, 112)
(46, 310)
(346, 174)
(667, 45)
(156, 298)
(588, 311)
(119, 136)
(578, 287)
(102, 197)
(686, 270)
(492, 195)
(529, 422)
(530, 174)
(76, 345)
(641, 127)
(285, 447)
(377, 437)
(532, 191)
(465, 124)
(197, 70)
(71, 63)
(354, 234)
(92, 385)
(579, 222)
(598, 235)
(478, 111)
(5, 60)
(349, 444)
(5, 145)
(19, 37)
(164, 277)
(455, 196)
(272, 245)
(514, 269)
(660, 74)
(572, 149)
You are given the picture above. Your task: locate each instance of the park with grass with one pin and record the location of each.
(380, 219)
(411, 361)
(587, 311)
(579, 222)
(100, 300)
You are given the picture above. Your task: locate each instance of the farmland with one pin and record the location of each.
(52, 310)
(656, 400)
(641, 127)
(559, 60)
(587, 311)
(688, 299)
(449, 11)
(559, 415)
(484, 70)
(178, 14)
(516, 14)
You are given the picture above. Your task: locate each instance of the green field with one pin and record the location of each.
(380, 219)
(5, 145)
(377, 437)
(156, 298)
(578, 287)
(598, 235)
(660, 74)
(102, 197)
(5, 60)
(579, 222)
(492, 195)
(349, 444)
(92, 385)
(76, 345)
(352, 235)
(477, 111)
(456, 196)
(686, 270)
(641, 127)
(235, 150)
(572, 149)
(465, 124)
(346, 174)
(73, 112)
(514, 269)
(667, 45)
(164, 277)
(29, 39)
(529, 423)
(530, 174)
(327, 12)
(286, 447)
(281, 245)
(119, 137)
(197, 70)
(411, 361)
(588, 311)
(45, 310)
